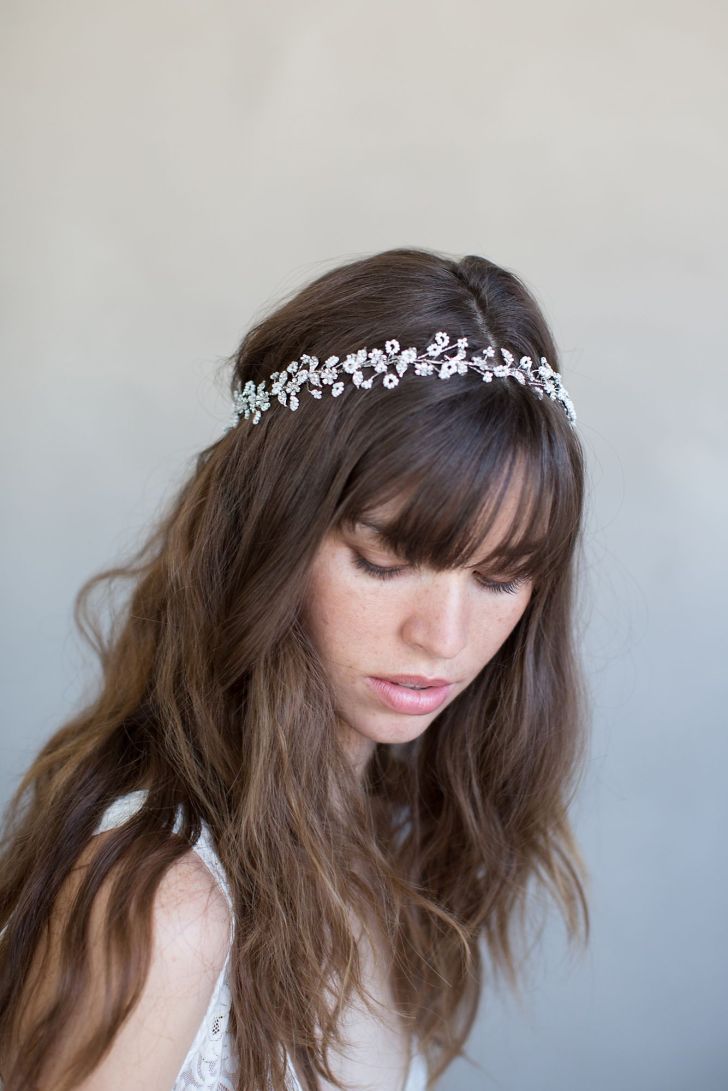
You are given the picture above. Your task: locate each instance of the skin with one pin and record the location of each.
(419, 621)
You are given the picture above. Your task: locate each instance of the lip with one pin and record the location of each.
(415, 679)
(413, 702)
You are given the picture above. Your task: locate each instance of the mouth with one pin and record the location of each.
(410, 697)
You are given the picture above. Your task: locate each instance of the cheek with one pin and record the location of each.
(337, 612)
(498, 624)
(512, 611)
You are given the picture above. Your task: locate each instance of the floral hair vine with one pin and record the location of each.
(251, 401)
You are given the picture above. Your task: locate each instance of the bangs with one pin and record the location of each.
(506, 497)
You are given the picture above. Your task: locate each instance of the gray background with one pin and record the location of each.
(172, 167)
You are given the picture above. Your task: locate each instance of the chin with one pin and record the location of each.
(396, 729)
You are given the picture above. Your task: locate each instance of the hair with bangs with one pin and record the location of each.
(454, 498)
(211, 696)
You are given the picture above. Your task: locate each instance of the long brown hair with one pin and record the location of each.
(212, 697)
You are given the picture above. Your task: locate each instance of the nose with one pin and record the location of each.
(437, 617)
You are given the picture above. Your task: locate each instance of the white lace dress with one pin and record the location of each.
(210, 1063)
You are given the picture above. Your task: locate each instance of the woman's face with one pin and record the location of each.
(367, 627)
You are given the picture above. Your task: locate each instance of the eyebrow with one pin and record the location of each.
(371, 525)
(378, 530)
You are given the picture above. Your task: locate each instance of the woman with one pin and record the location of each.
(339, 722)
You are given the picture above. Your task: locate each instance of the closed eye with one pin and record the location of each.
(381, 573)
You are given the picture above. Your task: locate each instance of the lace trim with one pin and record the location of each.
(209, 1063)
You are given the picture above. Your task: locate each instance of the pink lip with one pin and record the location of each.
(415, 679)
(414, 702)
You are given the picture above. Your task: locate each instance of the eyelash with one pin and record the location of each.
(387, 573)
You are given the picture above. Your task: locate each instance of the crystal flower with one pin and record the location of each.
(250, 401)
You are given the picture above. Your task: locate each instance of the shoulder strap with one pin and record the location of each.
(122, 809)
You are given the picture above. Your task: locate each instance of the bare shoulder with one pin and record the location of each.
(191, 910)
(191, 930)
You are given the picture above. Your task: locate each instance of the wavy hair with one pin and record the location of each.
(211, 697)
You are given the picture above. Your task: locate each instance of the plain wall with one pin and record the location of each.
(171, 168)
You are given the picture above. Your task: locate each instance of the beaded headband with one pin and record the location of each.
(251, 401)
